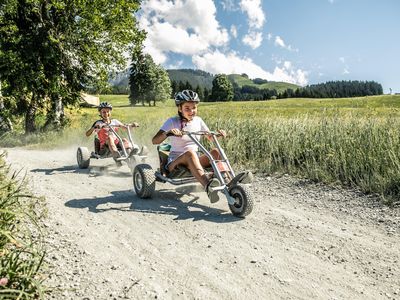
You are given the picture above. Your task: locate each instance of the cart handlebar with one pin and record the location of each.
(134, 124)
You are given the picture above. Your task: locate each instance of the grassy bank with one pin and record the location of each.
(21, 252)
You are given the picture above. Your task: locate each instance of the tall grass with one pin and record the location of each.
(351, 141)
(360, 152)
(21, 252)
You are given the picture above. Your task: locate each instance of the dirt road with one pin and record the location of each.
(302, 241)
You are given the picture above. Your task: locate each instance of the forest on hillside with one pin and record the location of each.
(245, 89)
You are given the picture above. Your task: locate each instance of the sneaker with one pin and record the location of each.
(212, 195)
(143, 151)
(116, 156)
(135, 150)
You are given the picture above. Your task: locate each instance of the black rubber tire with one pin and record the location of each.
(144, 181)
(243, 205)
(83, 157)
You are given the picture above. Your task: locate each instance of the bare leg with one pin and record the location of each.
(205, 162)
(127, 145)
(191, 161)
(111, 145)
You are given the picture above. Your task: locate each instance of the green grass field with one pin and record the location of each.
(351, 141)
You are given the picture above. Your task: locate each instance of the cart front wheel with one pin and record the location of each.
(243, 204)
(83, 157)
(144, 181)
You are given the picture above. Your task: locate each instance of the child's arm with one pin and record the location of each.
(161, 135)
(133, 124)
(221, 133)
(91, 129)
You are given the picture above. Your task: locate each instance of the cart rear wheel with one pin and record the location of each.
(83, 157)
(243, 200)
(144, 181)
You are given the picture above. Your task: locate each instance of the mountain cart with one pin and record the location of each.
(131, 158)
(235, 187)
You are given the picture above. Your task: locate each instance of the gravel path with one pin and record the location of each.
(302, 240)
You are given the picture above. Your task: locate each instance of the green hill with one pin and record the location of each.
(242, 80)
(203, 79)
(194, 77)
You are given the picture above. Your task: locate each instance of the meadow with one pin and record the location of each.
(350, 141)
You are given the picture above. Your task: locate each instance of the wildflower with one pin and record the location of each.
(3, 281)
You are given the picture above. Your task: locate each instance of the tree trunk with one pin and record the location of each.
(30, 123)
(5, 122)
(55, 117)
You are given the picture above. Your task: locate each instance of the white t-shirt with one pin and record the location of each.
(184, 143)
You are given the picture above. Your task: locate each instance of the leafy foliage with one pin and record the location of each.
(51, 50)
(148, 81)
(337, 89)
(222, 89)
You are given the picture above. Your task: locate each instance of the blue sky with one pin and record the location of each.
(297, 41)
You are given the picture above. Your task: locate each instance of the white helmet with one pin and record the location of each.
(186, 96)
(104, 105)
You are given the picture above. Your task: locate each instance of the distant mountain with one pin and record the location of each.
(120, 81)
(243, 80)
(194, 77)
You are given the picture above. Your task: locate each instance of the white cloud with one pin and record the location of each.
(256, 19)
(253, 39)
(269, 36)
(189, 27)
(346, 69)
(234, 31)
(254, 12)
(186, 27)
(281, 43)
(228, 5)
(231, 63)
(178, 64)
(287, 73)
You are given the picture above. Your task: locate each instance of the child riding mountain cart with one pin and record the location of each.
(235, 187)
(109, 143)
(188, 160)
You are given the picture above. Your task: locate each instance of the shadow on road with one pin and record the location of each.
(93, 171)
(163, 202)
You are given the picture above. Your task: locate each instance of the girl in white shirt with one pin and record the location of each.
(183, 150)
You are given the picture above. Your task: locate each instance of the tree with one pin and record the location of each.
(5, 122)
(51, 50)
(199, 91)
(148, 81)
(161, 85)
(222, 89)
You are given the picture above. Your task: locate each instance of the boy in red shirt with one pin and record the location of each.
(108, 141)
